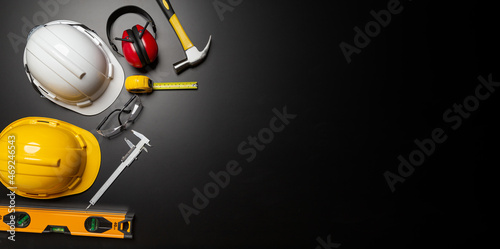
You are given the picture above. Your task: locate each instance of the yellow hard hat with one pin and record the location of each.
(45, 158)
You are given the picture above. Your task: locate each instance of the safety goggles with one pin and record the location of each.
(132, 109)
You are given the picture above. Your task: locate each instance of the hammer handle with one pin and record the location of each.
(166, 7)
(174, 21)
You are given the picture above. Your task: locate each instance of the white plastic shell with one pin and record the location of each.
(73, 68)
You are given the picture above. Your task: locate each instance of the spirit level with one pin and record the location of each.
(143, 84)
(73, 222)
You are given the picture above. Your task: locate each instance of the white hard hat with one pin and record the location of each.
(70, 65)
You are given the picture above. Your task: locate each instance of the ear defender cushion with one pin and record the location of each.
(149, 43)
(139, 45)
(130, 50)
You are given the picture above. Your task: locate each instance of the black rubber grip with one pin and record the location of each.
(166, 7)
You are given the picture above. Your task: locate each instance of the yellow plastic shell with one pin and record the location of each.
(51, 158)
(138, 84)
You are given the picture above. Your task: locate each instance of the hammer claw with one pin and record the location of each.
(207, 47)
(193, 57)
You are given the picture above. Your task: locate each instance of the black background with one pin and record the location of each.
(322, 176)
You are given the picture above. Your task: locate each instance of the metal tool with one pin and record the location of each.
(107, 224)
(194, 57)
(128, 159)
(143, 84)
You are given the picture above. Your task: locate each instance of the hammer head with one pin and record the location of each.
(193, 57)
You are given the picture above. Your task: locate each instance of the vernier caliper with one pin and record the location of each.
(128, 159)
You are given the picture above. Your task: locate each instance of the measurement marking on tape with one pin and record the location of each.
(175, 86)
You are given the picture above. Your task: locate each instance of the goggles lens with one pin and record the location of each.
(129, 113)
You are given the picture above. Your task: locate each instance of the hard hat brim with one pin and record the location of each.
(93, 162)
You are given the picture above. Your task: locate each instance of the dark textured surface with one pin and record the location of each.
(319, 179)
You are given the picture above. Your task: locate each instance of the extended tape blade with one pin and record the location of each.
(176, 86)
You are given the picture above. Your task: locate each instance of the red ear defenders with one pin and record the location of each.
(138, 45)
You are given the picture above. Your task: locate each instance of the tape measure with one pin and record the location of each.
(143, 84)
(73, 222)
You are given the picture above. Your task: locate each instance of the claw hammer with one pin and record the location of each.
(193, 55)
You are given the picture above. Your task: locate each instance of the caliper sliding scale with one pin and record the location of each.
(107, 224)
(128, 159)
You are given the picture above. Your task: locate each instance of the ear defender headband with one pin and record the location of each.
(138, 45)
